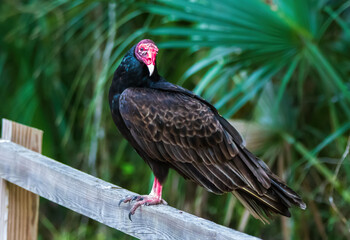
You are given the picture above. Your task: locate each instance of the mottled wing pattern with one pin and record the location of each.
(184, 132)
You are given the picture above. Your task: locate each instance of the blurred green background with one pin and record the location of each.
(280, 69)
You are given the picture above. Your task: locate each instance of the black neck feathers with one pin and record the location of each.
(132, 73)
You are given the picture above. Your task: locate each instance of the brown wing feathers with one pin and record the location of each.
(186, 134)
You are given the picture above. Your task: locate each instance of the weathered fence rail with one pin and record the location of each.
(99, 200)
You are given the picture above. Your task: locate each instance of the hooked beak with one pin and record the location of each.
(150, 69)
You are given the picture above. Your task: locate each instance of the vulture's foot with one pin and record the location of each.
(142, 200)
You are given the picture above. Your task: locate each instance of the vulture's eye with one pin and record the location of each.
(142, 49)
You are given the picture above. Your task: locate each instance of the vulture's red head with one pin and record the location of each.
(146, 52)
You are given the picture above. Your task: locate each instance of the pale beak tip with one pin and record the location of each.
(150, 69)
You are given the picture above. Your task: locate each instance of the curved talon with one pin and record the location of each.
(125, 200)
(154, 198)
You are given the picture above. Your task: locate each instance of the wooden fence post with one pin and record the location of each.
(36, 175)
(19, 208)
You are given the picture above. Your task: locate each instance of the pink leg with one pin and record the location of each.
(156, 189)
(154, 198)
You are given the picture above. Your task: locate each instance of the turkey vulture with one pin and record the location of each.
(171, 127)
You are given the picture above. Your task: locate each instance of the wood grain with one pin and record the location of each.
(19, 208)
(98, 199)
(4, 202)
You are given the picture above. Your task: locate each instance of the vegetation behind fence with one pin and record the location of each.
(282, 68)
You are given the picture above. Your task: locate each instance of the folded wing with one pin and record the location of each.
(185, 133)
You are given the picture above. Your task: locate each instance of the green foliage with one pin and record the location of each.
(282, 67)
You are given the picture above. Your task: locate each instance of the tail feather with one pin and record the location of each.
(277, 200)
(252, 206)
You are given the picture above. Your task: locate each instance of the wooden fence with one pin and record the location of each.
(25, 175)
